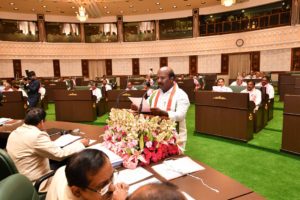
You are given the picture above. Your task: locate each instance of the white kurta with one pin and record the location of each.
(31, 149)
(97, 92)
(254, 95)
(234, 83)
(221, 89)
(269, 89)
(59, 189)
(179, 107)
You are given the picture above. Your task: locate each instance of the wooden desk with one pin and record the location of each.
(124, 102)
(13, 105)
(250, 196)
(52, 86)
(188, 86)
(75, 106)
(291, 121)
(225, 114)
(287, 84)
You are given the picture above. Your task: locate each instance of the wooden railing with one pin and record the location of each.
(255, 23)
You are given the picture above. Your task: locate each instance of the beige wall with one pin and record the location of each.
(122, 66)
(6, 69)
(42, 68)
(209, 63)
(275, 60)
(70, 67)
(147, 63)
(180, 64)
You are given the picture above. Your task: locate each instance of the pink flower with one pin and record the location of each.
(148, 144)
(130, 162)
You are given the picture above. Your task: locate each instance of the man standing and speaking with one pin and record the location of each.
(170, 101)
(32, 86)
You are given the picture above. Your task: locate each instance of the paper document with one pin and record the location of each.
(64, 140)
(134, 187)
(114, 158)
(130, 176)
(171, 169)
(3, 120)
(137, 101)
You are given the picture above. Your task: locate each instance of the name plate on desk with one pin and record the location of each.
(72, 94)
(219, 98)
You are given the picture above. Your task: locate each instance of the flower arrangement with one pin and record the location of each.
(138, 139)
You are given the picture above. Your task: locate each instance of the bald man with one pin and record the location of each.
(170, 101)
(157, 191)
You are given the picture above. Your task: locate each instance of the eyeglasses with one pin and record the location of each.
(102, 191)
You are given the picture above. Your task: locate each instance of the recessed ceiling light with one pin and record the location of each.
(121, 11)
(147, 9)
(16, 8)
(243, 11)
(104, 7)
(160, 8)
(33, 9)
(11, 3)
(73, 7)
(107, 12)
(188, 4)
(157, 3)
(174, 6)
(44, 6)
(130, 6)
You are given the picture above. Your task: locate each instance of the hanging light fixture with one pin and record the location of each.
(228, 3)
(82, 15)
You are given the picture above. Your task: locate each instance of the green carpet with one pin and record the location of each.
(258, 164)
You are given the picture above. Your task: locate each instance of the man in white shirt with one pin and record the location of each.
(17, 88)
(96, 91)
(88, 175)
(30, 147)
(42, 91)
(269, 88)
(130, 86)
(254, 94)
(221, 86)
(239, 82)
(171, 101)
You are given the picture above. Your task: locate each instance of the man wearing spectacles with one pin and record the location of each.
(89, 175)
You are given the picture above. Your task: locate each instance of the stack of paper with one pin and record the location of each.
(114, 158)
(130, 176)
(3, 120)
(64, 140)
(171, 169)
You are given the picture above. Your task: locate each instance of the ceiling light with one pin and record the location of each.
(44, 6)
(228, 3)
(11, 3)
(73, 7)
(174, 6)
(33, 9)
(82, 15)
(104, 7)
(130, 6)
(157, 3)
(147, 9)
(188, 4)
(121, 11)
(160, 8)
(16, 8)
(107, 12)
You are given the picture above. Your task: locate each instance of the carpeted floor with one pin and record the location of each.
(258, 164)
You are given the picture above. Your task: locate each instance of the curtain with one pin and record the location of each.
(97, 68)
(238, 63)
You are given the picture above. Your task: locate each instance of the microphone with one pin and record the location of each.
(118, 98)
(141, 104)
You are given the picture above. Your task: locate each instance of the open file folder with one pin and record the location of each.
(115, 159)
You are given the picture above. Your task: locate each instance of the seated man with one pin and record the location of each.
(170, 101)
(254, 94)
(96, 91)
(269, 88)
(157, 191)
(239, 82)
(88, 175)
(15, 87)
(30, 147)
(7, 87)
(130, 86)
(221, 86)
(105, 85)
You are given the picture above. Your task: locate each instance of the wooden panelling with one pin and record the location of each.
(17, 68)
(255, 61)
(224, 63)
(295, 59)
(85, 68)
(163, 61)
(56, 68)
(135, 66)
(193, 65)
(108, 66)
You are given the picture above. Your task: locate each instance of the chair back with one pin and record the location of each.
(7, 166)
(17, 187)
